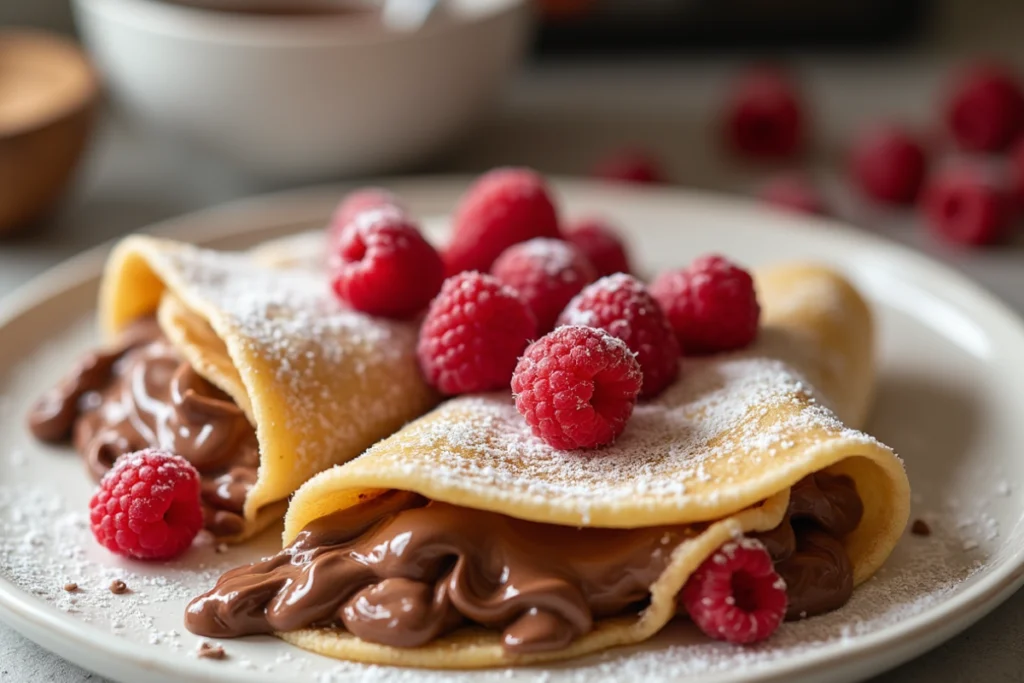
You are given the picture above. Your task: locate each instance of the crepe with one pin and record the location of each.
(722, 446)
(320, 383)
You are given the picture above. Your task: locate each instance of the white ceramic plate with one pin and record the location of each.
(950, 400)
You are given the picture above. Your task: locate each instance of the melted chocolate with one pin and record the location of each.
(806, 546)
(401, 571)
(143, 394)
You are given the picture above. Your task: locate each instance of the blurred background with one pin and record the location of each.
(901, 117)
(175, 105)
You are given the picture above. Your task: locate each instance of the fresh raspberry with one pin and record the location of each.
(383, 266)
(985, 110)
(735, 595)
(711, 305)
(764, 118)
(962, 206)
(620, 305)
(630, 166)
(503, 207)
(577, 386)
(1017, 171)
(888, 164)
(147, 506)
(547, 273)
(355, 203)
(793, 192)
(601, 245)
(473, 334)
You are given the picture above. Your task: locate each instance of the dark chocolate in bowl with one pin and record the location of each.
(402, 571)
(143, 394)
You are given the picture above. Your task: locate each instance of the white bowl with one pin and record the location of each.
(288, 98)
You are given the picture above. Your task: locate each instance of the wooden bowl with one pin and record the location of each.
(48, 95)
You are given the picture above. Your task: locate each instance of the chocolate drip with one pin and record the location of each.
(402, 571)
(143, 394)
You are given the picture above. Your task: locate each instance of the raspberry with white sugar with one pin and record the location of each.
(963, 207)
(985, 110)
(473, 334)
(630, 166)
(888, 164)
(547, 273)
(622, 306)
(503, 207)
(765, 117)
(711, 305)
(735, 595)
(793, 192)
(147, 506)
(383, 266)
(577, 387)
(364, 199)
(602, 246)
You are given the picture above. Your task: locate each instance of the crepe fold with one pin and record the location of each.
(320, 383)
(717, 452)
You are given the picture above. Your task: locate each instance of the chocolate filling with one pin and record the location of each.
(401, 570)
(143, 394)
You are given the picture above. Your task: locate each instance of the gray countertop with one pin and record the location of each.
(558, 120)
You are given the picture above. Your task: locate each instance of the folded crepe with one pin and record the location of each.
(245, 357)
(463, 541)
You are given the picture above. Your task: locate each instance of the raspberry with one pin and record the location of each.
(630, 166)
(1017, 171)
(711, 305)
(735, 595)
(598, 241)
(383, 266)
(793, 192)
(765, 118)
(547, 273)
(620, 305)
(147, 506)
(888, 165)
(361, 200)
(963, 207)
(503, 207)
(473, 334)
(985, 110)
(576, 387)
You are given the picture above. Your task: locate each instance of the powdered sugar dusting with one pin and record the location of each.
(557, 257)
(292, 320)
(723, 415)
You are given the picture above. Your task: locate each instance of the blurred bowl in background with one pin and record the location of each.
(48, 93)
(293, 95)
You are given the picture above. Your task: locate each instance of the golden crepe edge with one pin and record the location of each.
(815, 320)
(145, 276)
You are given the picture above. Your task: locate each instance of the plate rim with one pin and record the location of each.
(886, 648)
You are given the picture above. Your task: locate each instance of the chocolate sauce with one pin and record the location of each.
(143, 394)
(807, 547)
(401, 570)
